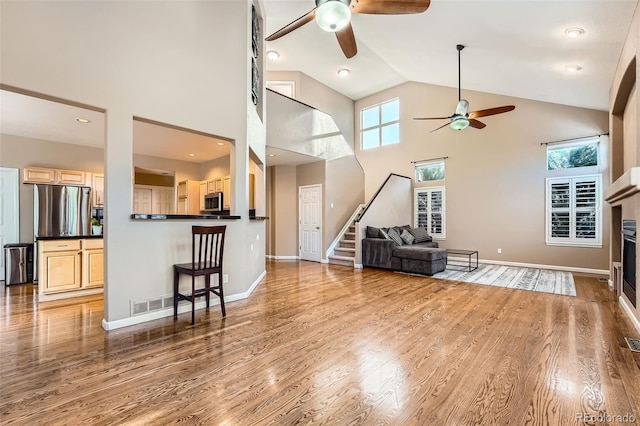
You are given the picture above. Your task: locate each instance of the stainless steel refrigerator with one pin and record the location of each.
(61, 211)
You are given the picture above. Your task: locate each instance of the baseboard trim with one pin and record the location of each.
(629, 311)
(357, 266)
(552, 267)
(182, 308)
(271, 257)
(610, 283)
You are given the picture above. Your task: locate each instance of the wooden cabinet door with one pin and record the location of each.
(93, 268)
(183, 205)
(98, 190)
(38, 175)
(182, 189)
(226, 193)
(61, 271)
(203, 192)
(71, 177)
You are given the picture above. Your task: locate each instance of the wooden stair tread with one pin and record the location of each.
(338, 257)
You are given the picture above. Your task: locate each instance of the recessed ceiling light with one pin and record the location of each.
(83, 120)
(273, 55)
(271, 155)
(343, 72)
(574, 32)
(220, 143)
(573, 68)
(192, 155)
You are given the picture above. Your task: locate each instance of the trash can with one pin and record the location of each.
(18, 263)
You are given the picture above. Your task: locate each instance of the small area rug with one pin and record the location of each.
(542, 280)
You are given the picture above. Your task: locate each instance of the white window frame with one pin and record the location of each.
(430, 190)
(380, 124)
(572, 240)
(425, 163)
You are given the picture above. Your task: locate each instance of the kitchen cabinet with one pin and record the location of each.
(188, 197)
(38, 175)
(97, 183)
(59, 266)
(226, 192)
(70, 265)
(54, 176)
(252, 191)
(92, 263)
(71, 177)
(203, 192)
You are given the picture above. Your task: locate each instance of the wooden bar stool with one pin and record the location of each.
(207, 248)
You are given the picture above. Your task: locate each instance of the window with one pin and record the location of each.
(432, 170)
(573, 211)
(430, 210)
(380, 124)
(570, 155)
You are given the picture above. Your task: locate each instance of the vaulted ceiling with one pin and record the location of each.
(513, 47)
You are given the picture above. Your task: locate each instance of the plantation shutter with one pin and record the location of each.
(430, 210)
(573, 211)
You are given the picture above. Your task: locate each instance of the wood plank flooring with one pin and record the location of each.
(324, 344)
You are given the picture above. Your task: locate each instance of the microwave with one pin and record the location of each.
(213, 202)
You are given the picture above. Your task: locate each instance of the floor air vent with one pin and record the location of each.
(634, 344)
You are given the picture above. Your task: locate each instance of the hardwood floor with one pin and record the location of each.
(329, 345)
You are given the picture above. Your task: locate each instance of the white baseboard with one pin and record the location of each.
(324, 260)
(629, 311)
(552, 267)
(610, 284)
(184, 307)
(268, 256)
(357, 266)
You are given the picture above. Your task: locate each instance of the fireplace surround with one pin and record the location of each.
(629, 260)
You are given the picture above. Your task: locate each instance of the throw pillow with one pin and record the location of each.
(384, 234)
(373, 232)
(421, 235)
(393, 234)
(407, 237)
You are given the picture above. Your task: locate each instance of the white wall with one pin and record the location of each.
(160, 61)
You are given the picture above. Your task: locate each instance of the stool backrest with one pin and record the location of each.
(207, 246)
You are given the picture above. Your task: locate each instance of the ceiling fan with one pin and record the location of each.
(462, 118)
(335, 16)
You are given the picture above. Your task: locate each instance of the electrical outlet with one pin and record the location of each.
(499, 251)
(225, 279)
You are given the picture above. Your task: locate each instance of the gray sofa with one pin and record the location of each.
(423, 257)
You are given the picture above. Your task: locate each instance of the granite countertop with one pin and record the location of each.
(68, 237)
(184, 216)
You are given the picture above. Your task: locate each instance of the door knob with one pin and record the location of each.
(317, 227)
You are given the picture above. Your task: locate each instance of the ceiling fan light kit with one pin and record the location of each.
(333, 15)
(460, 123)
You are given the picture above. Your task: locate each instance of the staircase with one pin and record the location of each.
(344, 250)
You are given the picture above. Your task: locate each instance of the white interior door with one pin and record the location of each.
(162, 200)
(310, 220)
(9, 211)
(142, 200)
